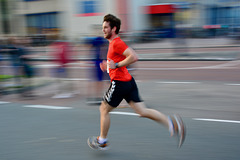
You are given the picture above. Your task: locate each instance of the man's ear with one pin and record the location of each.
(114, 29)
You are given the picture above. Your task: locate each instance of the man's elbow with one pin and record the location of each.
(135, 58)
(131, 55)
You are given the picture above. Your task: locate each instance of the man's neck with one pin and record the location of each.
(112, 38)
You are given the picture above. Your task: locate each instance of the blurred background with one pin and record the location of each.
(51, 38)
(142, 20)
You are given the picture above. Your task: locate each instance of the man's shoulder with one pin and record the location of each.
(118, 41)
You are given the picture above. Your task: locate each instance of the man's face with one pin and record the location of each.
(107, 30)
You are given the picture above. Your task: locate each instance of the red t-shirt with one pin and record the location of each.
(115, 52)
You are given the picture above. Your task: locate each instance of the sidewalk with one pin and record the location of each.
(187, 50)
(191, 43)
(166, 49)
(172, 49)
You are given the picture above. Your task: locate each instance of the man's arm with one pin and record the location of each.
(131, 57)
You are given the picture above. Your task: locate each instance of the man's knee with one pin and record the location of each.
(105, 108)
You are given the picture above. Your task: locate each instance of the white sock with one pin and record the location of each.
(102, 140)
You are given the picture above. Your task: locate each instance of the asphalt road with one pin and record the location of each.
(210, 110)
(204, 93)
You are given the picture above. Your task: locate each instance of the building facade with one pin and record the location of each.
(76, 18)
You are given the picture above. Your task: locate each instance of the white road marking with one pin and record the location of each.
(232, 84)
(125, 113)
(179, 82)
(40, 140)
(46, 107)
(3, 102)
(119, 113)
(216, 120)
(197, 119)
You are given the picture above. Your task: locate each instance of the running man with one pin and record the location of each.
(123, 86)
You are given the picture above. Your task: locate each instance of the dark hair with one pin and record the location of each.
(113, 22)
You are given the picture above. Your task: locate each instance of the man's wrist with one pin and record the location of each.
(116, 65)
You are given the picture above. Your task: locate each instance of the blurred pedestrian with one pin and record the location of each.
(61, 50)
(1, 70)
(28, 70)
(123, 86)
(180, 42)
(95, 87)
(15, 54)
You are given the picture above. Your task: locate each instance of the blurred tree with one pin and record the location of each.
(4, 16)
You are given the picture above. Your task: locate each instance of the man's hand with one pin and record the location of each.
(111, 64)
(103, 65)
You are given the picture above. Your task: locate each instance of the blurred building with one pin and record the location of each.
(6, 16)
(222, 16)
(74, 18)
(70, 18)
(203, 18)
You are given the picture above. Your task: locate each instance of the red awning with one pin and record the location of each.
(160, 8)
(212, 26)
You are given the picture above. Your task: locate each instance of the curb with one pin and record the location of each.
(17, 91)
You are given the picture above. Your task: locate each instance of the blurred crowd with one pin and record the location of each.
(62, 54)
(16, 48)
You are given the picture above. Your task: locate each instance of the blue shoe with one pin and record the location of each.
(94, 144)
(179, 129)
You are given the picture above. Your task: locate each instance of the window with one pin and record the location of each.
(42, 21)
(87, 8)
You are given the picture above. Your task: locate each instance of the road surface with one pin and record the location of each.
(205, 94)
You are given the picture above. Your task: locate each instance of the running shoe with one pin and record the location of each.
(94, 144)
(179, 129)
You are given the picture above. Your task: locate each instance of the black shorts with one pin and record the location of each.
(120, 90)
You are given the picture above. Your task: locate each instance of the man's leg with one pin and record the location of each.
(174, 124)
(105, 108)
(153, 114)
(100, 142)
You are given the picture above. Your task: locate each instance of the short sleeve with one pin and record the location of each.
(120, 47)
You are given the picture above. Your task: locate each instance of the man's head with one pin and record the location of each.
(111, 25)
